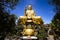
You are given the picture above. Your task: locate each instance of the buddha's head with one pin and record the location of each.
(29, 7)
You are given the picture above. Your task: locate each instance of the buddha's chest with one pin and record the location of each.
(29, 12)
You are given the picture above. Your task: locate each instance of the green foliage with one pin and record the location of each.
(7, 21)
(56, 24)
(8, 3)
(42, 33)
(56, 4)
(19, 30)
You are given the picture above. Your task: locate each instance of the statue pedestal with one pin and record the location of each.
(28, 38)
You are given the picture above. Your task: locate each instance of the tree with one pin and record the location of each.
(56, 4)
(7, 21)
(41, 33)
(55, 24)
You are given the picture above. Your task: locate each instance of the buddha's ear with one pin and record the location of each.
(25, 12)
(34, 13)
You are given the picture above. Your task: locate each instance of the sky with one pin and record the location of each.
(41, 8)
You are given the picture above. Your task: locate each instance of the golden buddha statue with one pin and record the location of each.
(29, 18)
(29, 12)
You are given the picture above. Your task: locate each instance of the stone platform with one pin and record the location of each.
(27, 37)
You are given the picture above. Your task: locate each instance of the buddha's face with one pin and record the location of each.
(29, 7)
